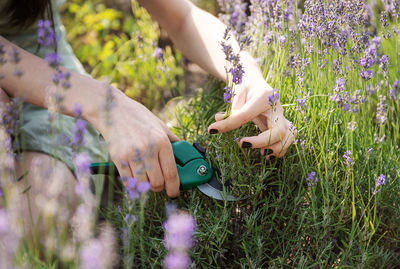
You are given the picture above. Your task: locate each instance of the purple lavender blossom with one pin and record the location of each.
(143, 186)
(77, 110)
(53, 59)
(90, 255)
(82, 163)
(130, 188)
(46, 35)
(377, 41)
(14, 55)
(79, 132)
(348, 162)
(237, 73)
(274, 98)
(179, 230)
(384, 63)
(158, 54)
(130, 219)
(61, 77)
(301, 103)
(170, 208)
(341, 96)
(176, 260)
(367, 74)
(2, 54)
(381, 111)
(380, 181)
(311, 179)
(227, 95)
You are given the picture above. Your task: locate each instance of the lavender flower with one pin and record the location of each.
(99, 253)
(352, 126)
(2, 54)
(143, 186)
(341, 96)
(158, 54)
(274, 98)
(130, 188)
(61, 77)
(176, 260)
(82, 163)
(170, 208)
(53, 59)
(381, 111)
(301, 104)
(384, 63)
(311, 179)
(46, 35)
(380, 181)
(348, 162)
(179, 230)
(79, 129)
(236, 69)
(14, 55)
(227, 95)
(130, 219)
(237, 73)
(79, 132)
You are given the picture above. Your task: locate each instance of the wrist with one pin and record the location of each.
(99, 110)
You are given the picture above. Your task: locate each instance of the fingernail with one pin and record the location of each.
(246, 145)
(213, 131)
(268, 152)
(272, 158)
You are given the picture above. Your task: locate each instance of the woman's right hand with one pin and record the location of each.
(135, 129)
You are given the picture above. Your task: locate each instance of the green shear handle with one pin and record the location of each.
(193, 169)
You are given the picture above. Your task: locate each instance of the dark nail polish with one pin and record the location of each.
(213, 131)
(271, 158)
(268, 152)
(246, 145)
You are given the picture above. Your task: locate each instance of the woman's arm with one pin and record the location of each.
(133, 128)
(33, 84)
(198, 35)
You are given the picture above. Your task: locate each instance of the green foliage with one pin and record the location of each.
(120, 47)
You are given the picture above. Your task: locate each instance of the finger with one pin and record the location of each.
(172, 137)
(123, 169)
(257, 121)
(138, 170)
(170, 173)
(249, 111)
(263, 140)
(219, 116)
(279, 149)
(155, 175)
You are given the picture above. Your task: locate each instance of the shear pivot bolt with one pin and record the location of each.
(202, 170)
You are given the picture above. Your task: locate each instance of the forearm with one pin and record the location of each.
(204, 46)
(33, 85)
(198, 35)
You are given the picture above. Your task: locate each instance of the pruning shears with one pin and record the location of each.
(193, 170)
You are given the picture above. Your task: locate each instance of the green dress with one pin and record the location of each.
(35, 125)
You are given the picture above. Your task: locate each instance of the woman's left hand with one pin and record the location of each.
(251, 102)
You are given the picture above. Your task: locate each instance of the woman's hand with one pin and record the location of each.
(139, 144)
(251, 102)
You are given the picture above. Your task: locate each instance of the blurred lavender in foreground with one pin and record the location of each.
(179, 230)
